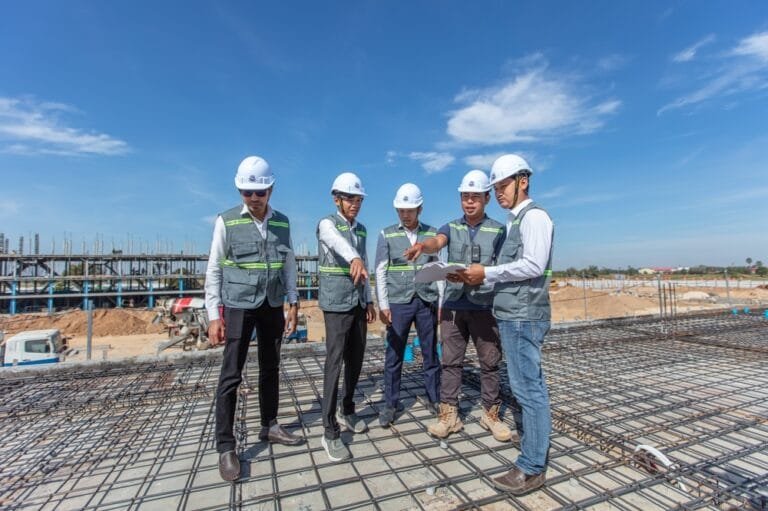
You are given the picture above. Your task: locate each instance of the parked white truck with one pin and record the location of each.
(33, 347)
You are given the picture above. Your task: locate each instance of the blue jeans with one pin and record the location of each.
(521, 342)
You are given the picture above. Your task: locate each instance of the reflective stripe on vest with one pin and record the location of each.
(338, 293)
(252, 269)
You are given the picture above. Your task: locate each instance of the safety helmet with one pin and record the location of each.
(475, 181)
(408, 196)
(254, 174)
(348, 183)
(507, 166)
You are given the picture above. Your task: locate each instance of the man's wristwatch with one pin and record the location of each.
(294, 304)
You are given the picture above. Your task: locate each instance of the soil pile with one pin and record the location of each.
(105, 322)
(568, 303)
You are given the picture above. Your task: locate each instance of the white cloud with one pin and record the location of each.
(754, 46)
(391, 157)
(742, 70)
(433, 161)
(32, 127)
(533, 105)
(482, 161)
(485, 161)
(689, 53)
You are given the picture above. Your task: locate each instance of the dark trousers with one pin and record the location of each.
(456, 327)
(403, 316)
(239, 323)
(345, 337)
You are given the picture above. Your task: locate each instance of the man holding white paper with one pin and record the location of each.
(466, 310)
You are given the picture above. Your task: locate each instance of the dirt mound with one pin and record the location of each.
(105, 322)
(568, 303)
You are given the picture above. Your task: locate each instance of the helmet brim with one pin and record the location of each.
(254, 186)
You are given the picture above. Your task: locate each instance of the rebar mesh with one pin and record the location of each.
(140, 435)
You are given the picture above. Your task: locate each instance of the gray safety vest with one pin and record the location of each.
(460, 251)
(337, 291)
(252, 268)
(400, 271)
(526, 300)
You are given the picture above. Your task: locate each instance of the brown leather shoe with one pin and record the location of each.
(277, 434)
(518, 482)
(229, 466)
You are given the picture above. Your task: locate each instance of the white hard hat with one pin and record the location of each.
(408, 196)
(507, 166)
(254, 174)
(348, 183)
(475, 181)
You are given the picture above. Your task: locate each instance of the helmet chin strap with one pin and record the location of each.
(517, 191)
(342, 210)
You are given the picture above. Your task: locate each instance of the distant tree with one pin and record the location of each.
(632, 270)
(759, 264)
(592, 272)
(749, 261)
(762, 271)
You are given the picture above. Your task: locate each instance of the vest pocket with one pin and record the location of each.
(240, 250)
(239, 292)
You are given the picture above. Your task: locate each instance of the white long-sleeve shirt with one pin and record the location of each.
(382, 261)
(214, 271)
(536, 233)
(332, 240)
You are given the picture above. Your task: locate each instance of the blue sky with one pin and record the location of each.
(645, 122)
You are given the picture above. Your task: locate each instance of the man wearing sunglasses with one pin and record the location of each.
(521, 278)
(346, 302)
(251, 271)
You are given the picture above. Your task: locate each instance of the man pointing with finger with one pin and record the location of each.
(251, 270)
(347, 305)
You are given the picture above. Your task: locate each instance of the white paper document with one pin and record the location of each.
(438, 270)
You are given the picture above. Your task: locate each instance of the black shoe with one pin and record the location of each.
(229, 466)
(386, 417)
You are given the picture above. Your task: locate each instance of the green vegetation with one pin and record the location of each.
(701, 271)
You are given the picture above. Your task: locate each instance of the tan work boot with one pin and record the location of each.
(490, 421)
(447, 422)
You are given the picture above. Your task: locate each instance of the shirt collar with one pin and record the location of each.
(517, 209)
(404, 228)
(351, 224)
(244, 211)
(464, 219)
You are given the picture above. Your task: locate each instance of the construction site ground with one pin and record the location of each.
(139, 434)
(119, 333)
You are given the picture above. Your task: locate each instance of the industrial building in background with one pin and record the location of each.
(35, 282)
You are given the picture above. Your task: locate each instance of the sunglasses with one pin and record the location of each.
(259, 193)
(352, 199)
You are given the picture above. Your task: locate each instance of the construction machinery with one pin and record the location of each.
(186, 321)
(33, 347)
(187, 324)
